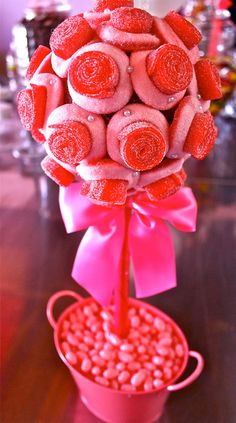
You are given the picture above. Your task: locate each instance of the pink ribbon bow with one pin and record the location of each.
(97, 262)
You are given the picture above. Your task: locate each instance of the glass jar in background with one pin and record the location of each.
(35, 28)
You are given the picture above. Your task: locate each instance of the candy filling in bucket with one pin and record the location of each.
(135, 373)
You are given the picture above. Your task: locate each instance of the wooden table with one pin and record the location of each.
(36, 259)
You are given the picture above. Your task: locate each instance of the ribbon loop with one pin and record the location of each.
(97, 262)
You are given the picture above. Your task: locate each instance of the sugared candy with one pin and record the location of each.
(170, 69)
(121, 101)
(131, 19)
(39, 55)
(201, 135)
(106, 191)
(101, 5)
(187, 32)
(208, 80)
(165, 187)
(31, 104)
(122, 366)
(56, 172)
(70, 35)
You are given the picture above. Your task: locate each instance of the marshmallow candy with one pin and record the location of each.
(107, 182)
(129, 29)
(70, 35)
(137, 137)
(56, 172)
(98, 79)
(74, 135)
(144, 86)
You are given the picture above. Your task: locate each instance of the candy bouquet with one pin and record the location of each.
(120, 102)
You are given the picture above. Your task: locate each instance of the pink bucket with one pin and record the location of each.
(115, 406)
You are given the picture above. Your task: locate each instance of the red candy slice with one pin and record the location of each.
(187, 32)
(130, 19)
(180, 125)
(40, 53)
(94, 74)
(142, 145)
(108, 191)
(201, 135)
(208, 80)
(70, 142)
(165, 187)
(38, 136)
(170, 69)
(70, 35)
(31, 105)
(101, 5)
(56, 172)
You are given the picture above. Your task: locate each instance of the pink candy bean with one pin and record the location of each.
(88, 340)
(148, 318)
(72, 339)
(98, 360)
(105, 315)
(107, 355)
(65, 347)
(125, 357)
(158, 361)
(96, 371)
(148, 385)
(163, 351)
(102, 381)
(141, 349)
(120, 366)
(87, 311)
(149, 366)
(99, 336)
(86, 365)
(158, 374)
(138, 378)
(110, 373)
(134, 366)
(124, 377)
(128, 388)
(127, 347)
(135, 321)
(71, 358)
(179, 350)
(157, 383)
(159, 324)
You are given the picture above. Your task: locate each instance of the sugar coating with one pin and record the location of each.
(124, 88)
(114, 70)
(126, 364)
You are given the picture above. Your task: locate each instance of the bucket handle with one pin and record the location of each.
(190, 379)
(52, 301)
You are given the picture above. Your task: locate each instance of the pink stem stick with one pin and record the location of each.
(122, 290)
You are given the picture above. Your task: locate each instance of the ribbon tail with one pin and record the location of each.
(153, 257)
(96, 265)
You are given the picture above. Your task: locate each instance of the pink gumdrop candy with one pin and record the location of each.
(95, 89)
(166, 34)
(55, 92)
(180, 126)
(107, 169)
(126, 40)
(74, 135)
(137, 137)
(144, 86)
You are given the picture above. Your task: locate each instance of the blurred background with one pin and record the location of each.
(36, 254)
